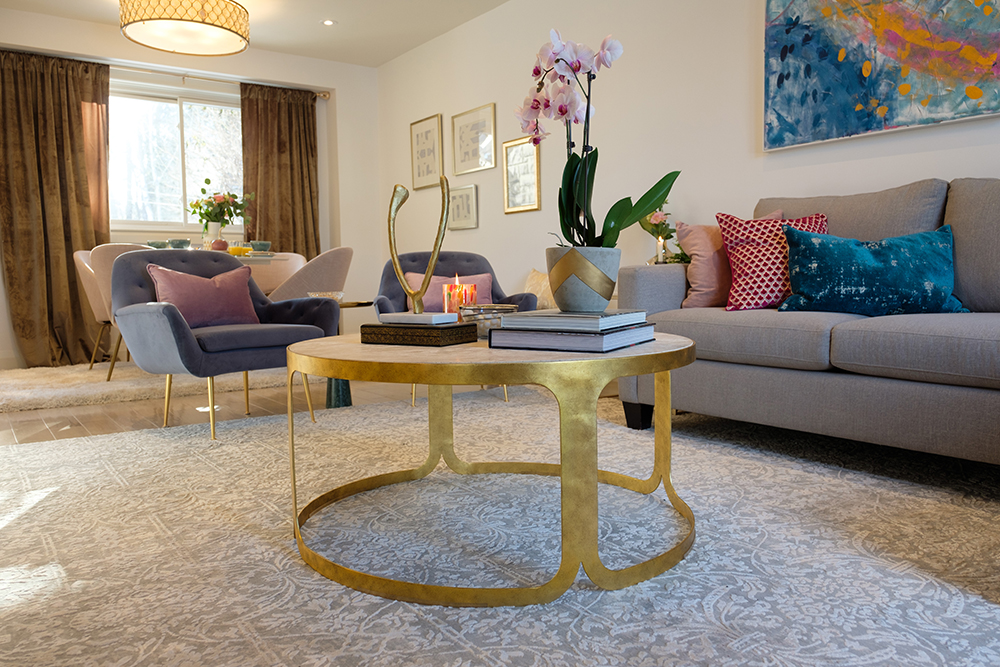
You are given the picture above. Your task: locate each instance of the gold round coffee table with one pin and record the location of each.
(576, 380)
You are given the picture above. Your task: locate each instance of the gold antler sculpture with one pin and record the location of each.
(399, 197)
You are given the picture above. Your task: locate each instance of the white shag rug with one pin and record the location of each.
(64, 386)
(162, 547)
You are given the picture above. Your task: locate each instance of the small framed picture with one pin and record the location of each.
(425, 152)
(521, 179)
(472, 137)
(463, 208)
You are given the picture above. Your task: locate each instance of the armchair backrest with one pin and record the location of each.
(448, 264)
(90, 285)
(131, 283)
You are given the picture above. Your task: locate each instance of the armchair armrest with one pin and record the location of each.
(523, 301)
(317, 311)
(159, 338)
(383, 305)
(652, 288)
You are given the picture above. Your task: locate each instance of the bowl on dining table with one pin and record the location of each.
(179, 243)
(157, 244)
(260, 246)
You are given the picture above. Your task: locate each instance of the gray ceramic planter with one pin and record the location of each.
(582, 279)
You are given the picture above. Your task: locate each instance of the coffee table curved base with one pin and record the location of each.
(579, 515)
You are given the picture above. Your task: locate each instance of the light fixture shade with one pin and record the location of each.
(190, 27)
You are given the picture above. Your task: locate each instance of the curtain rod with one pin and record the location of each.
(322, 94)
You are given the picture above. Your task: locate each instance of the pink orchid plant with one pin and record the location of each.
(220, 207)
(564, 72)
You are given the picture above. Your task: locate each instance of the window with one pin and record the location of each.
(164, 142)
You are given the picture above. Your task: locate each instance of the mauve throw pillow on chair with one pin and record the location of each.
(434, 297)
(708, 274)
(206, 302)
(901, 275)
(758, 256)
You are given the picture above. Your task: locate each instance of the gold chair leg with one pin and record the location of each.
(505, 400)
(166, 400)
(413, 395)
(309, 400)
(246, 390)
(114, 357)
(128, 354)
(97, 343)
(211, 404)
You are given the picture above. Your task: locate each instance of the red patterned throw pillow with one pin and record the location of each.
(758, 256)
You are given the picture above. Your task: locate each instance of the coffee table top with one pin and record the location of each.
(476, 363)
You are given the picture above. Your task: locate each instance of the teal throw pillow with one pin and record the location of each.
(894, 276)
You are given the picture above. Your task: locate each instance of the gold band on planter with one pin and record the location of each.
(399, 197)
(575, 264)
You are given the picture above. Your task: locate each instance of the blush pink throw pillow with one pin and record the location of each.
(206, 302)
(708, 275)
(758, 256)
(434, 297)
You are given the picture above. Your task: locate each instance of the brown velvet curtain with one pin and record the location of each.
(53, 198)
(279, 166)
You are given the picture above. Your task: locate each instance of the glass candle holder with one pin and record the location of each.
(456, 295)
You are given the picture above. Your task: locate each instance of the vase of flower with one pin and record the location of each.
(218, 210)
(582, 278)
(562, 91)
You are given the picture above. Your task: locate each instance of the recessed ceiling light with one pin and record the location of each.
(329, 22)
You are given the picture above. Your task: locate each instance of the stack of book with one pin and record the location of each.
(572, 332)
(427, 329)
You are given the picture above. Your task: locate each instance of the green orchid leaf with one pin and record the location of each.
(584, 193)
(653, 198)
(613, 221)
(567, 202)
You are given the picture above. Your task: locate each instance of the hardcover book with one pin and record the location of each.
(556, 320)
(428, 335)
(418, 318)
(572, 341)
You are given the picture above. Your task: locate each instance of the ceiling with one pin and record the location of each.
(366, 32)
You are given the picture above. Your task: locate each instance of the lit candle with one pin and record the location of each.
(457, 295)
(659, 249)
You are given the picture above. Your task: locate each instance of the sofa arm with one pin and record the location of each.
(523, 301)
(317, 311)
(653, 288)
(159, 339)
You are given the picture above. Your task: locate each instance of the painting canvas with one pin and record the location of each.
(838, 68)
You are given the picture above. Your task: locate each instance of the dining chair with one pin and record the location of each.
(92, 290)
(326, 272)
(282, 266)
(102, 259)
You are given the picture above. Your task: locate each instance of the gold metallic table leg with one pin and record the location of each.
(166, 400)
(309, 400)
(114, 357)
(246, 391)
(579, 475)
(211, 404)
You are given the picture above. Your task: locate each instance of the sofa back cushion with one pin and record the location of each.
(974, 215)
(872, 216)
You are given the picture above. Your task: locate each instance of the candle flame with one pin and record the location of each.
(456, 280)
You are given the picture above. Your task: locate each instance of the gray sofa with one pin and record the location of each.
(926, 382)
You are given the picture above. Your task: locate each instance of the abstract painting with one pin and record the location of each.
(838, 68)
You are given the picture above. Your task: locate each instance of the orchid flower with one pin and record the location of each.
(575, 59)
(557, 43)
(581, 113)
(565, 104)
(611, 50)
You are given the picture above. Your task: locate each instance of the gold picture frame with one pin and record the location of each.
(463, 209)
(426, 154)
(473, 139)
(522, 188)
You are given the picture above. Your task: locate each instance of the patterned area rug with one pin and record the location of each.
(64, 386)
(163, 547)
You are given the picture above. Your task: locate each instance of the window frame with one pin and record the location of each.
(158, 87)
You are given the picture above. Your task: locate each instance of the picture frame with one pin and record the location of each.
(522, 188)
(463, 207)
(426, 154)
(473, 141)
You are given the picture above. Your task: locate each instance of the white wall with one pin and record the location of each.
(347, 131)
(687, 94)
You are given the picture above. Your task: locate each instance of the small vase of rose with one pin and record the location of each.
(218, 210)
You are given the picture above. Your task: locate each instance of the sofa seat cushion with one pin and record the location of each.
(248, 336)
(798, 340)
(946, 348)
